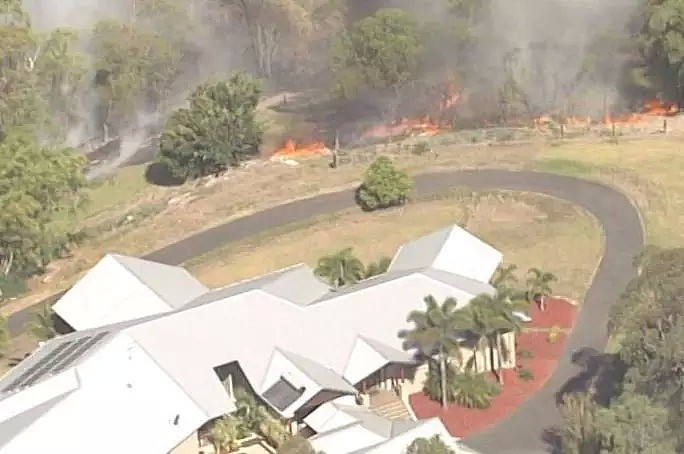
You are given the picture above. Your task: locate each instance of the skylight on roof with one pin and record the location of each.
(283, 394)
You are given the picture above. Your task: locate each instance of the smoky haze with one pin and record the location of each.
(214, 44)
(547, 44)
(534, 49)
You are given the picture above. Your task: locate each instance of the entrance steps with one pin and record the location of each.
(388, 405)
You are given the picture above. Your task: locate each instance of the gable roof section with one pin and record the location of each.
(452, 249)
(13, 426)
(173, 284)
(347, 429)
(296, 284)
(389, 353)
(324, 377)
(464, 283)
(120, 288)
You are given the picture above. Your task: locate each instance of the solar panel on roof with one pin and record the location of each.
(50, 358)
(45, 364)
(56, 360)
(79, 351)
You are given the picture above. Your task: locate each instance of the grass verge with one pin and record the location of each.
(525, 227)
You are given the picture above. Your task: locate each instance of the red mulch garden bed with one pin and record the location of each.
(558, 312)
(462, 422)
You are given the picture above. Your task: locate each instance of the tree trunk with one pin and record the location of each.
(476, 350)
(443, 377)
(499, 358)
(8, 265)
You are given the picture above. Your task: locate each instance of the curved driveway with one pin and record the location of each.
(522, 432)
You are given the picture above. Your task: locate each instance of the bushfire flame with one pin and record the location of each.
(421, 127)
(292, 149)
(651, 108)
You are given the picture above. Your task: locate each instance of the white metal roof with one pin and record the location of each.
(452, 249)
(120, 288)
(346, 429)
(333, 338)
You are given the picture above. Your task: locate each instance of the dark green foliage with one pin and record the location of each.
(11, 286)
(36, 183)
(377, 268)
(296, 445)
(646, 415)
(526, 354)
(217, 131)
(432, 445)
(435, 332)
(42, 324)
(341, 268)
(525, 374)
(383, 186)
(380, 51)
(635, 424)
(433, 387)
(464, 389)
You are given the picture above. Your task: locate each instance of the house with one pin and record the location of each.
(347, 428)
(120, 288)
(292, 340)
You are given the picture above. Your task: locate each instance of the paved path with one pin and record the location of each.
(522, 431)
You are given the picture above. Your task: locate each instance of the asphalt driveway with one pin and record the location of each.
(525, 431)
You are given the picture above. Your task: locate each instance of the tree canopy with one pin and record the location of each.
(383, 186)
(380, 51)
(432, 445)
(36, 183)
(646, 414)
(218, 130)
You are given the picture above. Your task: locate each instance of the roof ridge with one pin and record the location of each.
(142, 281)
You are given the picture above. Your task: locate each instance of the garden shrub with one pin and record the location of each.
(525, 374)
(383, 186)
(526, 354)
(467, 389)
(554, 332)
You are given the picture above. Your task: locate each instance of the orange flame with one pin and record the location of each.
(656, 107)
(292, 149)
(651, 108)
(406, 127)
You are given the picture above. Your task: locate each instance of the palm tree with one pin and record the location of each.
(538, 285)
(224, 434)
(479, 327)
(436, 331)
(505, 276)
(376, 268)
(340, 268)
(497, 310)
(296, 445)
(42, 324)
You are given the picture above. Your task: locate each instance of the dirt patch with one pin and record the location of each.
(19, 348)
(523, 231)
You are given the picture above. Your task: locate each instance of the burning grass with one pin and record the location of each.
(645, 169)
(522, 226)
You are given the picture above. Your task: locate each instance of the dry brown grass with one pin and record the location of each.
(647, 170)
(20, 346)
(530, 230)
